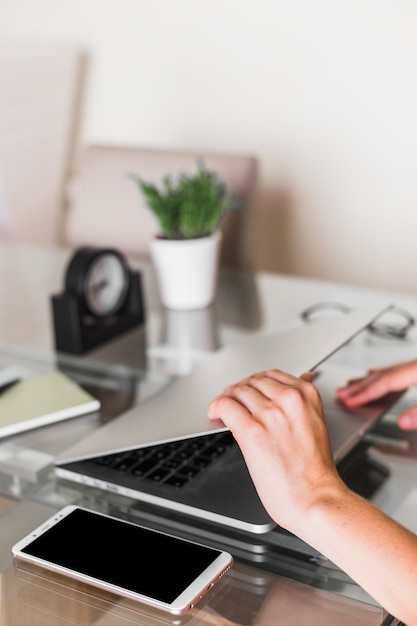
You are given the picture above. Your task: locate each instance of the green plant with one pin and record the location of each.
(192, 206)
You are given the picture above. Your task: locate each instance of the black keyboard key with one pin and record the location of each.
(190, 471)
(202, 461)
(159, 474)
(214, 451)
(173, 463)
(143, 467)
(124, 465)
(184, 454)
(176, 481)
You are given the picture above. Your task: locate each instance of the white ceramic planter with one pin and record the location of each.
(187, 270)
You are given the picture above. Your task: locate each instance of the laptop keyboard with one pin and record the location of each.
(174, 463)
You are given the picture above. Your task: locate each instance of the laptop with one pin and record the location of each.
(166, 452)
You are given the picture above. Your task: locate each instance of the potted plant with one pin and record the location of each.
(186, 251)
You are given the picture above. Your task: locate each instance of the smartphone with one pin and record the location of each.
(149, 566)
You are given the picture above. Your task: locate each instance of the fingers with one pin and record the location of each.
(267, 384)
(363, 390)
(407, 420)
(252, 398)
(307, 376)
(229, 410)
(377, 383)
(263, 382)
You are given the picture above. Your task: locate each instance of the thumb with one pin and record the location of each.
(407, 420)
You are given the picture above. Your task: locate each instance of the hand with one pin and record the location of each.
(377, 383)
(278, 422)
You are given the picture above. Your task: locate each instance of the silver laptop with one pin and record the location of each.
(166, 452)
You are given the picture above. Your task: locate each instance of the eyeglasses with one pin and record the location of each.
(399, 324)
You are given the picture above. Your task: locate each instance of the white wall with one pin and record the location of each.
(324, 92)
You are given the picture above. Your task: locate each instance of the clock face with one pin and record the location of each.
(101, 300)
(106, 284)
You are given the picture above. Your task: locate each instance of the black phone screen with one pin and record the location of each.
(129, 556)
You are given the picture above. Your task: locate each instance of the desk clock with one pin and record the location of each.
(102, 299)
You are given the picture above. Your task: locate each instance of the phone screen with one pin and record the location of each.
(128, 556)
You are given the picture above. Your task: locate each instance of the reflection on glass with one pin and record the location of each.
(238, 301)
(191, 330)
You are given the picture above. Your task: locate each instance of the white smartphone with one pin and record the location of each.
(155, 568)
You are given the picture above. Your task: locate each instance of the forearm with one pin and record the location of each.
(379, 554)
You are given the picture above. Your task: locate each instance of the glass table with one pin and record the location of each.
(276, 579)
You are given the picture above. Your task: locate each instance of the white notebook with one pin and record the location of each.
(42, 399)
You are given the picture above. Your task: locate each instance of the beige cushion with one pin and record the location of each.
(108, 209)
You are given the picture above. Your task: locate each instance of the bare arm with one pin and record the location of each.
(377, 383)
(278, 422)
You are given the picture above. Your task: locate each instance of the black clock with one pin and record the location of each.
(102, 299)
